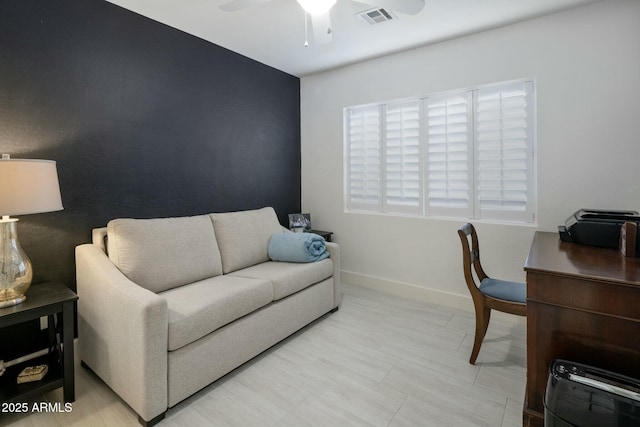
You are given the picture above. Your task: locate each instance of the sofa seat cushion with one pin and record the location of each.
(243, 237)
(200, 308)
(164, 253)
(288, 277)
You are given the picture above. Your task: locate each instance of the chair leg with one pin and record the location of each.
(483, 314)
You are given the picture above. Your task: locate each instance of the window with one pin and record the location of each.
(364, 146)
(464, 154)
(402, 178)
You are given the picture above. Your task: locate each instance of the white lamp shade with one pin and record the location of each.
(28, 186)
(316, 7)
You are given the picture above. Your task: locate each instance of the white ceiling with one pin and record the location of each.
(274, 33)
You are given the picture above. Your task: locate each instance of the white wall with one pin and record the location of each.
(586, 64)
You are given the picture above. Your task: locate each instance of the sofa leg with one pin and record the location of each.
(335, 309)
(153, 421)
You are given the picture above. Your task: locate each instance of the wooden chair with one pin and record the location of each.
(489, 293)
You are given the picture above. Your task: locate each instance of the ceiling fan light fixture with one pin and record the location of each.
(316, 7)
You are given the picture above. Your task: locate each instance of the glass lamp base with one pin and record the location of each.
(15, 267)
(14, 301)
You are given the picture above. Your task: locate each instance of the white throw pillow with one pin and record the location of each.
(164, 253)
(243, 237)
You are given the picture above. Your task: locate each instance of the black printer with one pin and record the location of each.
(584, 396)
(596, 227)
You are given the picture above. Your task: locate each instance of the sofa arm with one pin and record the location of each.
(334, 254)
(122, 332)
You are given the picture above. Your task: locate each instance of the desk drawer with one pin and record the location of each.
(598, 297)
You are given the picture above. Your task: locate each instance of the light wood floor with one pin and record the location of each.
(379, 361)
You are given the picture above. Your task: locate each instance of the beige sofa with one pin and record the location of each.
(167, 306)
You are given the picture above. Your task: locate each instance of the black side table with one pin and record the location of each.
(325, 234)
(55, 301)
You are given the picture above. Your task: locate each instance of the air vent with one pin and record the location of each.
(376, 16)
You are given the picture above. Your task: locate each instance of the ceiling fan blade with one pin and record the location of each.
(322, 28)
(236, 5)
(410, 7)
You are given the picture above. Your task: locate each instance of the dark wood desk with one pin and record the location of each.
(583, 304)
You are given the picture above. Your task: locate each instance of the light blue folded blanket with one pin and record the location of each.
(297, 247)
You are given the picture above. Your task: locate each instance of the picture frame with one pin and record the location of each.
(300, 222)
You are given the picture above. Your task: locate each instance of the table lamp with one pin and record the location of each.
(26, 187)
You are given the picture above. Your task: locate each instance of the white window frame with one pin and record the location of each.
(437, 189)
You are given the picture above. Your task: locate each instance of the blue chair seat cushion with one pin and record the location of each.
(503, 289)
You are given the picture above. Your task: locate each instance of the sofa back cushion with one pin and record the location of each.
(164, 253)
(243, 237)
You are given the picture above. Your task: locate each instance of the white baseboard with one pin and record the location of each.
(419, 293)
(407, 290)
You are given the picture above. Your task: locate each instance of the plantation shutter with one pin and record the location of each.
(402, 177)
(463, 154)
(504, 152)
(363, 151)
(449, 155)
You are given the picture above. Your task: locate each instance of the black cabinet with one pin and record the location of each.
(325, 234)
(55, 302)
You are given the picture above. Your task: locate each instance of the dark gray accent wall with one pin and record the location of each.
(143, 120)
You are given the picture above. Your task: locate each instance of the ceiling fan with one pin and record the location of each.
(320, 12)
